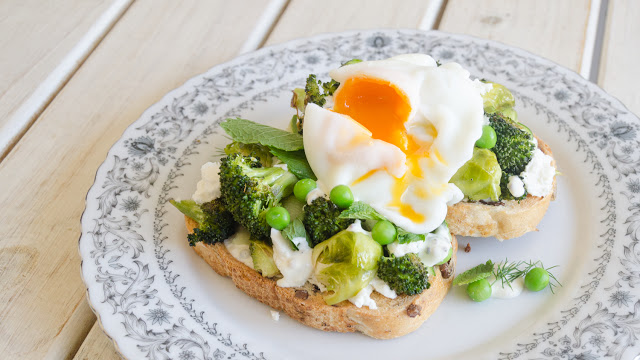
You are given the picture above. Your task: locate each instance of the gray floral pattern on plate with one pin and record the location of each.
(122, 243)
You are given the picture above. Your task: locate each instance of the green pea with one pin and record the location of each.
(488, 138)
(342, 196)
(447, 258)
(278, 217)
(536, 279)
(384, 232)
(479, 290)
(302, 188)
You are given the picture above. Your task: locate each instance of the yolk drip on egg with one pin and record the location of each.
(384, 109)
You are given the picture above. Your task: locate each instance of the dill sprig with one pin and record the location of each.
(506, 272)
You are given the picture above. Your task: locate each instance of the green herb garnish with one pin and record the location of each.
(249, 132)
(479, 272)
(506, 272)
(296, 162)
(361, 211)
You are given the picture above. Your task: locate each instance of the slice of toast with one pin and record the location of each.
(507, 220)
(393, 318)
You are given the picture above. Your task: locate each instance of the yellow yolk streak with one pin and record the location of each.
(364, 177)
(399, 188)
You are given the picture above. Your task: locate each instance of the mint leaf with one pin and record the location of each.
(361, 211)
(481, 271)
(293, 230)
(249, 132)
(296, 162)
(406, 237)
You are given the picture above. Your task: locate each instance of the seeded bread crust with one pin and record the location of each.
(507, 221)
(393, 318)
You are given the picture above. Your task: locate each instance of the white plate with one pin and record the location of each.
(157, 299)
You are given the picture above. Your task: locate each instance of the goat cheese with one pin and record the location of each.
(432, 250)
(383, 288)
(538, 174)
(208, 188)
(296, 266)
(238, 246)
(515, 186)
(363, 298)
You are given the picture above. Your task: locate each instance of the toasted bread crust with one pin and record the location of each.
(508, 221)
(390, 320)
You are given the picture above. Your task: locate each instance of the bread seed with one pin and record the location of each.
(302, 294)
(413, 310)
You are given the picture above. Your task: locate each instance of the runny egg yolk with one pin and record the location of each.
(384, 109)
(379, 106)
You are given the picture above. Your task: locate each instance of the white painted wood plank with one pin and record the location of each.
(304, 18)
(619, 70)
(553, 29)
(62, 34)
(97, 346)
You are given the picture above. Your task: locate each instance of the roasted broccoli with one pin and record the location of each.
(312, 90)
(249, 190)
(405, 274)
(321, 220)
(215, 223)
(311, 94)
(258, 151)
(514, 146)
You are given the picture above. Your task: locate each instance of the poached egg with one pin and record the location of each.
(399, 129)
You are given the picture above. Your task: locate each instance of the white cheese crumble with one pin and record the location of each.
(539, 173)
(208, 188)
(275, 315)
(314, 194)
(506, 292)
(483, 88)
(363, 298)
(432, 250)
(515, 186)
(357, 228)
(296, 266)
(383, 288)
(238, 246)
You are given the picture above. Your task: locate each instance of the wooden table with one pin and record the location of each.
(75, 73)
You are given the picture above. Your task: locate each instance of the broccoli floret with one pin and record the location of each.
(249, 190)
(321, 220)
(514, 146)
(311, 94)
(505, 194)
(258, 151)
(312, 90)
(215, 223)
(405, 274)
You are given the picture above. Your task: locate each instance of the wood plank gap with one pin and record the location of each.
(433, 15)
(265, 25)
(42, 96)
(591, 34)
(599, 41)
(72, 333)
